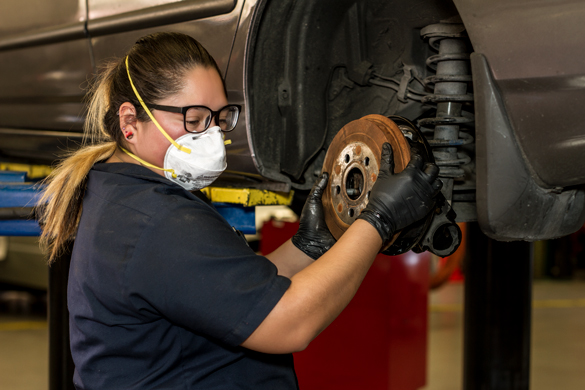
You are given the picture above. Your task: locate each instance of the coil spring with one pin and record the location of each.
(450, 93)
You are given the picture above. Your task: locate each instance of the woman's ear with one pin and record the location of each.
(127, 113)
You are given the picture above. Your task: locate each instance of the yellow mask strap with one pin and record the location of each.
(149, 164)
(181, 148)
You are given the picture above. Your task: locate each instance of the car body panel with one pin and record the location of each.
(241, 156)
(510, 203)
(280, 57)
(22, 16)
(98, 9)
(44, 91)
(535, 52)
(40, 88)
(46, 70)
(215, 33)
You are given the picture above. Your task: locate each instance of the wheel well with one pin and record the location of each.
(308, 63)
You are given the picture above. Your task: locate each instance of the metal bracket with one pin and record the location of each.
(404, 81)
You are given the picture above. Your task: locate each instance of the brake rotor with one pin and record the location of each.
(353, 163)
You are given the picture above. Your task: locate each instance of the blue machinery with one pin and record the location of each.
(19, 193)
(17, 197)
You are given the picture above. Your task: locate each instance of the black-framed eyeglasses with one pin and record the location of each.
(198, 118)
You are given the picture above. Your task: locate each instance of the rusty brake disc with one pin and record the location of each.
(353, 163)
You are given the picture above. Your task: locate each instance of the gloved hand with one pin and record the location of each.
(398, 200)
(313, 236)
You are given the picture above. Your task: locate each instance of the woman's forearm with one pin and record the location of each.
(289, 259)
(318, 293)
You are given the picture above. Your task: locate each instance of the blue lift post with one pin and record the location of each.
(17, 197)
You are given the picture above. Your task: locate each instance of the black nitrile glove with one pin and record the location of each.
(398, 200)
(313, 236)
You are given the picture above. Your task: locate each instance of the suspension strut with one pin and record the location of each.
(450, 81)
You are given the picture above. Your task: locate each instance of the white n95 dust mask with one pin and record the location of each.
(193, 160)
(203, 165)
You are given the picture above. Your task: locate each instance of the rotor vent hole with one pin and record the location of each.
(351, 213)
(337, 190)
(367, 161)
(347, 158)
(354, 184)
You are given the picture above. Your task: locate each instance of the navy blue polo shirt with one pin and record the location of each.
(162, 291)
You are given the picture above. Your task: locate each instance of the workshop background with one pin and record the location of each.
(427, 357)
(492, 91)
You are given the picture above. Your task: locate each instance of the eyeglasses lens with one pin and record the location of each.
(198, 119)
(228, 118)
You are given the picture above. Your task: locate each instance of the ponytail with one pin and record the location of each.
(64, 194)
(59, 209)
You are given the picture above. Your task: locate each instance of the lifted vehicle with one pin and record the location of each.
(493, 87)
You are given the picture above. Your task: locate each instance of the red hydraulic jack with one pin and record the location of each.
(379, 341)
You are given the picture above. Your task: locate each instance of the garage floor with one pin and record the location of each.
(558, 337)
(558, 347)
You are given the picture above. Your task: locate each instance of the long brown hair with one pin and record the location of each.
(158, 63)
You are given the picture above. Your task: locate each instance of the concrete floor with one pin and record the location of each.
(23, 352)
(558, 346)
(558, 337)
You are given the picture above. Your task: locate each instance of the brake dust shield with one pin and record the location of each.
(353, 163)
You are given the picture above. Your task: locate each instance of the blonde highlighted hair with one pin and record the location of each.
(158, 63)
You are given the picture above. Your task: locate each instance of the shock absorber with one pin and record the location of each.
(450, 82)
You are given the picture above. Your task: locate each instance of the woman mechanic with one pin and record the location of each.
(162, 293)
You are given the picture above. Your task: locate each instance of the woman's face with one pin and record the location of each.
(203, 86)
